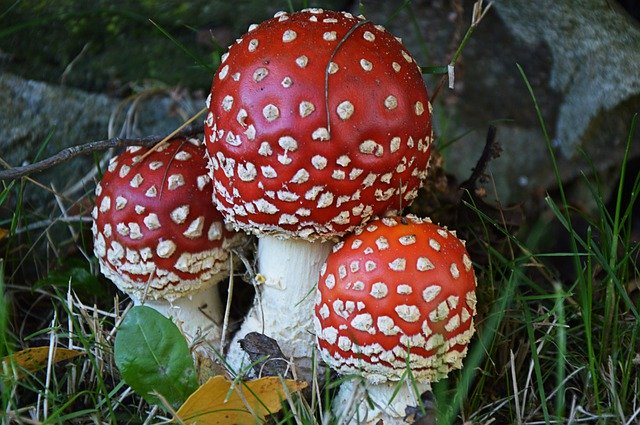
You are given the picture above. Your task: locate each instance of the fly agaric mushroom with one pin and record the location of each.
(158, 238)
(318, 121)
(398, 296)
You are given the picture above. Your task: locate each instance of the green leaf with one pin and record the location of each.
(75, 272)
(154, 358)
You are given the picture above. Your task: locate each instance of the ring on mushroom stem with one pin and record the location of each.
(159, 239)
(318, 121)
(395, 304)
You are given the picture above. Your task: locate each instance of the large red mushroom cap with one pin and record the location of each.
(156, 233)
(318, 121)
(398, 289)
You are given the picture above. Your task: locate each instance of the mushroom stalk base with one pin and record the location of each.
(197, 315)
(360, 402)
(284, 304)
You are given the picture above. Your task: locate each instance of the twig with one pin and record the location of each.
(74, 151)
(491, 150)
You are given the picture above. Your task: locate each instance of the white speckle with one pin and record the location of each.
(354, 266)
(368, 146)
(423, 264)
(471, 300)
(303, 212)
(286, 82)
(408, 313)
(419, 108)
(265, 149)
(467, 262)
(464, 314)
(452, 324)
(330, 281)
(342, 271)
(253, 45)
(250, 132)
(434, 244)
(398, 265)
(345, 110)
(180, 214)
(320, 133)
(288, 36)
(165, 249)
(382, 243)
(319, 162)
(387, 326)
(306, 108)
(338, 175)
(136, 181)
(363, 322)
(396, 66)
(344, 343)
(329, 36)
(440, 313)
(355, 173)
(124, 170)
(379, 28)
(175, 181)
(330, 335)
(183, 156)
(368, 35)
(391, 102)
(270, 112)
(151, 221)
(313, 193)
(406, 56)
(223, 72)
(431, 292)
(122, 229)
(366, 65)
(215, 231)
(404, 289)
(326, 199)
(302, 61)
(139, 209)
(287, 219)
(195, 228)
(265, 207)
(357, 243)
(358, 285)
(284, 159)
(407, 240)
(453, 300)
(324, 311)
(287, 196)
(379, 290)
(395, 144)
(268, 171)
(227, 103)
(455, 273)
(233, 140)
(247, 172)
(301, 176)
(241, 117)
(332, 68)
(370, 266)
(330, 20)
(105, 204)
(386, 178)
(288, 143)
(260, 74)
(120, 203)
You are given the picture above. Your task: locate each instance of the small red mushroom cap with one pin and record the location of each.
(318, 121)
(156, 233)
(398, 288)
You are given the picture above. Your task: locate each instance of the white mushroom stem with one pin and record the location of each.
(284, 305)
(198, 315)
(360, 402)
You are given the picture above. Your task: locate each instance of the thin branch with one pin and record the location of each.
(491, 150)
(74, 151)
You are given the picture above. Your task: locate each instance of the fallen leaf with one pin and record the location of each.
(36, 358)
(216, 402)
(3, 233)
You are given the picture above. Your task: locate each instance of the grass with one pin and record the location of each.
(558, 336)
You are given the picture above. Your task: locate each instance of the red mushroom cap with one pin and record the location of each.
(156, 233)
(318, 121)
(399, 287)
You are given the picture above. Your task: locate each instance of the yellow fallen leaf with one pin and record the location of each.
(35, 358)
(215, 402)
(3, 233)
